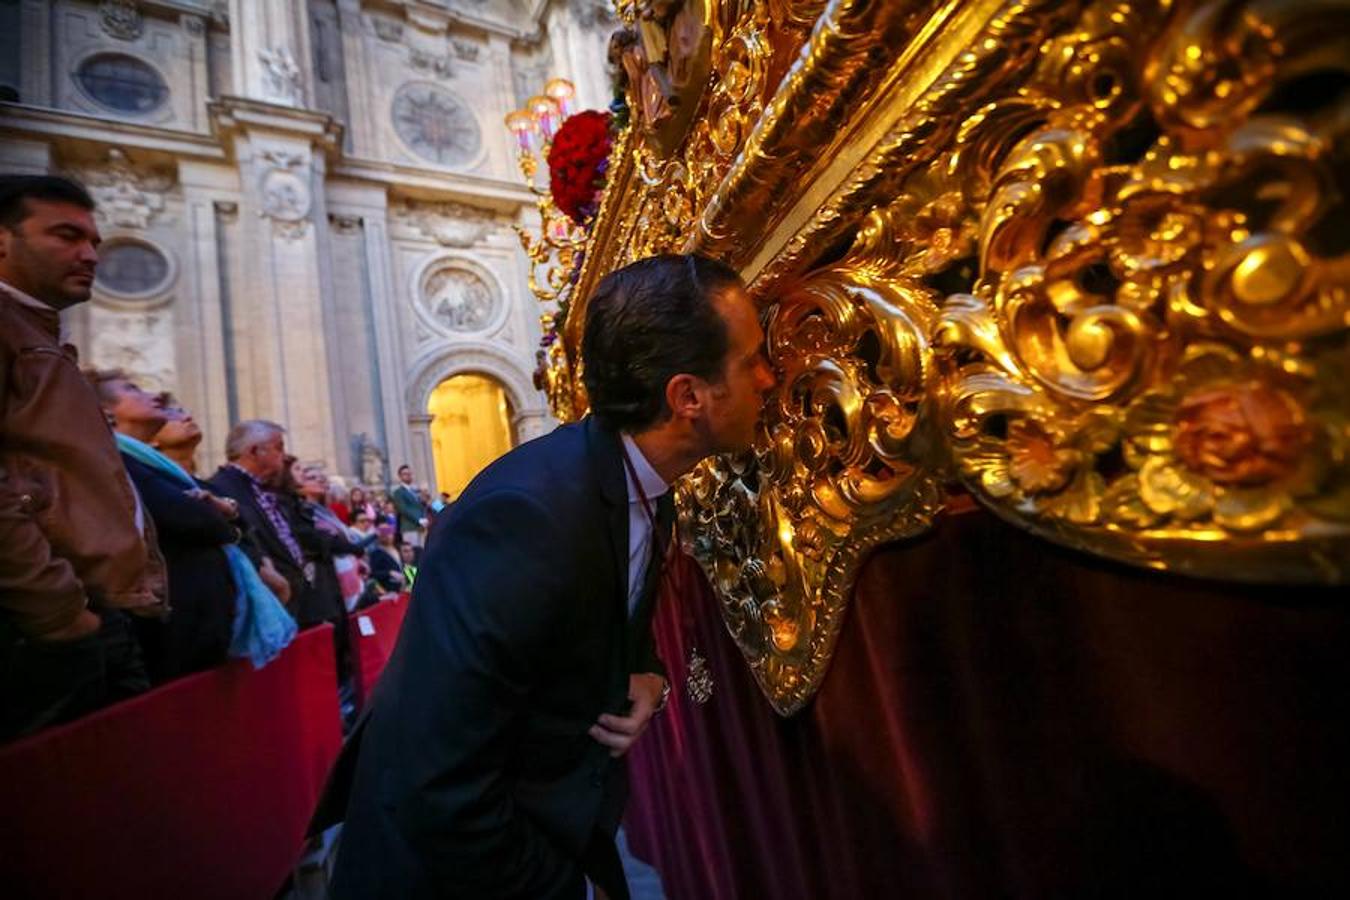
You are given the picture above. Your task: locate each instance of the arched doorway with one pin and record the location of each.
(470, 427)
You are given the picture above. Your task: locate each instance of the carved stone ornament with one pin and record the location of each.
(121, 19)
(1083, 260)
(281, 76)
(124, 196)
(345, 225)
(458, 299)
(388, 30)
(467, 50)
(139, 343)
(285, 196)
(448, 224)
(373, 468)
(194, 25)
(435, 124)
(435, 64)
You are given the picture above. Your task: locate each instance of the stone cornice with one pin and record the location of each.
(497, 194)
(428, 17)
(68, 125)
(231, 114)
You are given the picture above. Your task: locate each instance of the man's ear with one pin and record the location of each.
(683, 397)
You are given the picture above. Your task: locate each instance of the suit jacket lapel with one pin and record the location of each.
(607, 459)
(262, 525)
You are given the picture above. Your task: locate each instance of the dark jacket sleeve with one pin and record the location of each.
(409, 507)
(222, 484)
(647, 658)
(179, 519)
(382, 566)
(488, 603)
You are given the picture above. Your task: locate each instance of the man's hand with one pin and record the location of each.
(275, 581)
(619, 732)
(85, 624)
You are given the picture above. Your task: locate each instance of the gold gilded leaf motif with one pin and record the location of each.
(1087, 259)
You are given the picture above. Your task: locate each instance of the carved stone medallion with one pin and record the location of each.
(435, 124)
(458, 299)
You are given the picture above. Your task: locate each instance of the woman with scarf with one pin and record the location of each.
(219, 605)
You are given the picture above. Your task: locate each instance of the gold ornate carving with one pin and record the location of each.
(846, 459)
(1089, 259)
(1152, 362)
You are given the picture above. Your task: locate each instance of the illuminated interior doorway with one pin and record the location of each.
(470, 427)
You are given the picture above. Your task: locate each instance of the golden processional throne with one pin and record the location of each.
(1076, 271)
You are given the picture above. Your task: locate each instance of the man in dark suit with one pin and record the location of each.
(255, 454)
(490, 764)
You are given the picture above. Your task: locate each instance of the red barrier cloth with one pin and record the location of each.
(374, 631)
(1007, 719)
(199, 789)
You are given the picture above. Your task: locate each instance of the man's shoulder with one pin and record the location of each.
(228, 480)
(539, 467)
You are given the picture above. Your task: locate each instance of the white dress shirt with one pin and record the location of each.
(639, 526)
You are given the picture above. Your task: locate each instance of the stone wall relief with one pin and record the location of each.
(436, 125)
(282, 79)
(448, 224)
(457, 297)
(121, 19)
(141, 343)
(127, 197)
(284, 193)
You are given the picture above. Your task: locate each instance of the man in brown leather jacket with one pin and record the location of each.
(74, 548)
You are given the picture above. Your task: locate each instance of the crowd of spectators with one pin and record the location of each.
(121, 566)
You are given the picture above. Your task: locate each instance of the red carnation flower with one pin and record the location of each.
(576, 163)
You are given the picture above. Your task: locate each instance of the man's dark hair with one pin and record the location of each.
(404, 466)
(647, 323)
(16, 189)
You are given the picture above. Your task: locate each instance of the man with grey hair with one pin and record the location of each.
(255, 453)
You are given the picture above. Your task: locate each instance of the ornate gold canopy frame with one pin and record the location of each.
(1086, 261)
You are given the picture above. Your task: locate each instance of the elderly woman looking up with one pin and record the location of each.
(179, 436)
(210, 578)
(193, 529)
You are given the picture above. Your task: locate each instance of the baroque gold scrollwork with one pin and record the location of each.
(846, 458)
(1152, 362)
(1089, 259)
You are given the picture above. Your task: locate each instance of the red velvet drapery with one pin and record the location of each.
(199, 789)
(1004, 718)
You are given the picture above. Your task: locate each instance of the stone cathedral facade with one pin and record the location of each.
(306, 205)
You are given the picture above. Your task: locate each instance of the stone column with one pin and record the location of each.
(200, 325)
(269, 47)
(384, 294)
(531, 424)
(282, 159)
(36, 73)
(361, 76)
(194, 31)
(422, 462)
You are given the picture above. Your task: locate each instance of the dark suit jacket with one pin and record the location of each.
(383, 567)
(261, 539)
(410, 507)
(473, 772)
(192, 536)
